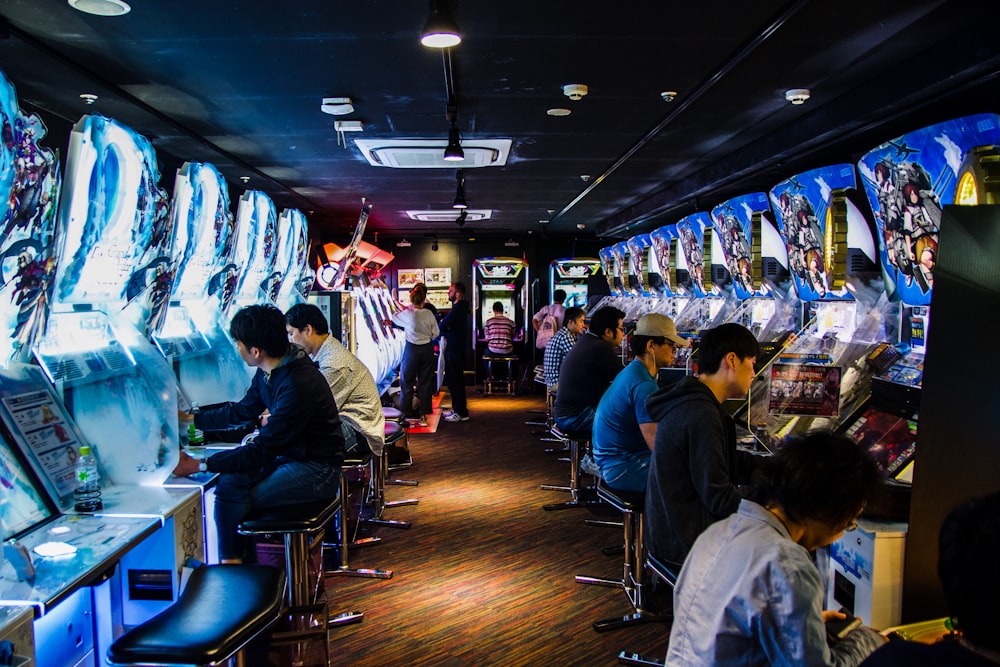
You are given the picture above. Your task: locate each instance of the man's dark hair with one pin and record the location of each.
(459, 288)
(637, 343)
(968, 569)
(821, 476)
(718, 342)
(497, 307)
(605, 318)
(261, 326)
(559, 295)
(301, 314)
(573, 313)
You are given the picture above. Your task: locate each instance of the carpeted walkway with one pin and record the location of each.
(485, 576)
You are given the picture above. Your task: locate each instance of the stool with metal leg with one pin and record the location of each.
(668, 575)
(380, 470)
(509, 382)
(578, 442)
(343, 569)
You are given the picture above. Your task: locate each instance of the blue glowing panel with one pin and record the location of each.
(801, 205)
(292, 259)
(638, 266)
(733, 220)
(608, 266)
(29, 184)
(691, 232)
(663, 246)
(114, 223)
(204, 227)
(256, 245)
(619, 252)
(908, 180)
(23, 503)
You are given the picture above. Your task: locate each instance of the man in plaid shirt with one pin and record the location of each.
(560, 344)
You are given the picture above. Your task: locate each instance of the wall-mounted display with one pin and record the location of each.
(438, 277)
(407, 278)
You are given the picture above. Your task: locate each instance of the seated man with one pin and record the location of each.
(560, 344)
(350, 380)
(499, 331)
(749, 593)
(695, 463)
(623, 431)
(548, 319)
(970, 576)
(297, 454)
(588, 370)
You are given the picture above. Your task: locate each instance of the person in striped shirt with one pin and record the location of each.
(499, 332)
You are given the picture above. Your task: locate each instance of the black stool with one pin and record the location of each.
(210, 623)
(631, 504)
(668, 574)
(394, 433)
(392, 414)
(343, 569)
(509, 382)
(297, 524)
(577, 441)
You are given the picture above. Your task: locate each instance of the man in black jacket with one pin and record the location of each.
(296, 455)
(694, 463)
(456, 327)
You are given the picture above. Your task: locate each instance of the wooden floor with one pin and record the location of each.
(484, 576)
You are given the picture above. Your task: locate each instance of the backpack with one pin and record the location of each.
(548, 328)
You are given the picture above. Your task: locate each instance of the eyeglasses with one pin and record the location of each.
(853, 525)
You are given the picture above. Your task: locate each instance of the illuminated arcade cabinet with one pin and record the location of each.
(297, 277)
(503, 279)
(663, 271)
(193, 336)
(571, 275)
(694, 237)
(907, 181)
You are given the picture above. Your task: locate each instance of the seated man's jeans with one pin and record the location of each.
(629, 472)
(584, 421)
(291, 482)
(355, 444)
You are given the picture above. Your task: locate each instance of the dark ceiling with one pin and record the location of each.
(239, 84)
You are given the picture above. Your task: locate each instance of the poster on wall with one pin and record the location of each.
(438, 277)
(409, 277)
(439, 299)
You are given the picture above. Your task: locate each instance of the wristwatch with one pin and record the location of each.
(202, 466)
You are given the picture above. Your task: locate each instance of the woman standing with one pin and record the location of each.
(420, 329)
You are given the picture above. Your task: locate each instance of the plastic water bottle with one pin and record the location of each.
(196, 442)
(88, 482)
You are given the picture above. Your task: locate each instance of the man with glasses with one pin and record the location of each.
(623, 430)
(749, 592)
(588, 370)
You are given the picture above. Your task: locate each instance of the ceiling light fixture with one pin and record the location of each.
(101, 7)
(88, 98)
(453, 151)
(440, 31)
(575, 91)
(558, 112)
(797, 95)
(511, 243)
(337, 106)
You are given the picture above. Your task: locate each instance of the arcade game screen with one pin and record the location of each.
(23, 504)
(576, 295)
(891, 440)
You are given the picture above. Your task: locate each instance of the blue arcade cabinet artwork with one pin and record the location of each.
(29, 178)
(638, 264)
(733, 227)
(802, 206)
(663, 239)
(256, 245)
(908, 180)
(296, 278)
(692, 231)
(608, 266)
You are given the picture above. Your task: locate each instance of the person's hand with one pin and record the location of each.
(830, 614)
(184, 418)
(188, 465)
(264, 416)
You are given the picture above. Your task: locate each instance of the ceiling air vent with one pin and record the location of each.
(450, 214)
(429, 153)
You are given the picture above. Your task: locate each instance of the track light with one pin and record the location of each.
(454, 152)
(460, 192)
(440, 31)
(460, 220)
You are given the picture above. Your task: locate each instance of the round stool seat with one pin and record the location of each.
(394, 431)
(392, 414)
(631, 501)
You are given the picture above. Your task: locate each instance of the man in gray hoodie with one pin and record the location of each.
(694, 462)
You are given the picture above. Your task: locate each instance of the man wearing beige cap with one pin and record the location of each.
(624, 432)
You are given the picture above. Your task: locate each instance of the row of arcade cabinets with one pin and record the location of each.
(844, 258)
(357, 302)
(114, 302)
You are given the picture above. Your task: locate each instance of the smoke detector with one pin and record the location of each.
(336, 106)
(575, 91)
(797, 95)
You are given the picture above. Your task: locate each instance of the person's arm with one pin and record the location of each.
(706, 438)
(648, 434)
(229, 415)
(536, 321)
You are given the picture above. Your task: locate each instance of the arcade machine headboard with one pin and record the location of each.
(572, 275)
(503, 279)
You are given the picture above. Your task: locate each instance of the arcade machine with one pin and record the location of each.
(359, 308)
(645, 297)
(741, 227)
(571, 275)
(110, 287)
(907, 181)
(663, 271)
(297, 278)
(193, 336)
(694, 237)
(609, 265)
(503, 279)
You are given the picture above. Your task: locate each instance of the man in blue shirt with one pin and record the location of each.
(623, 431)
